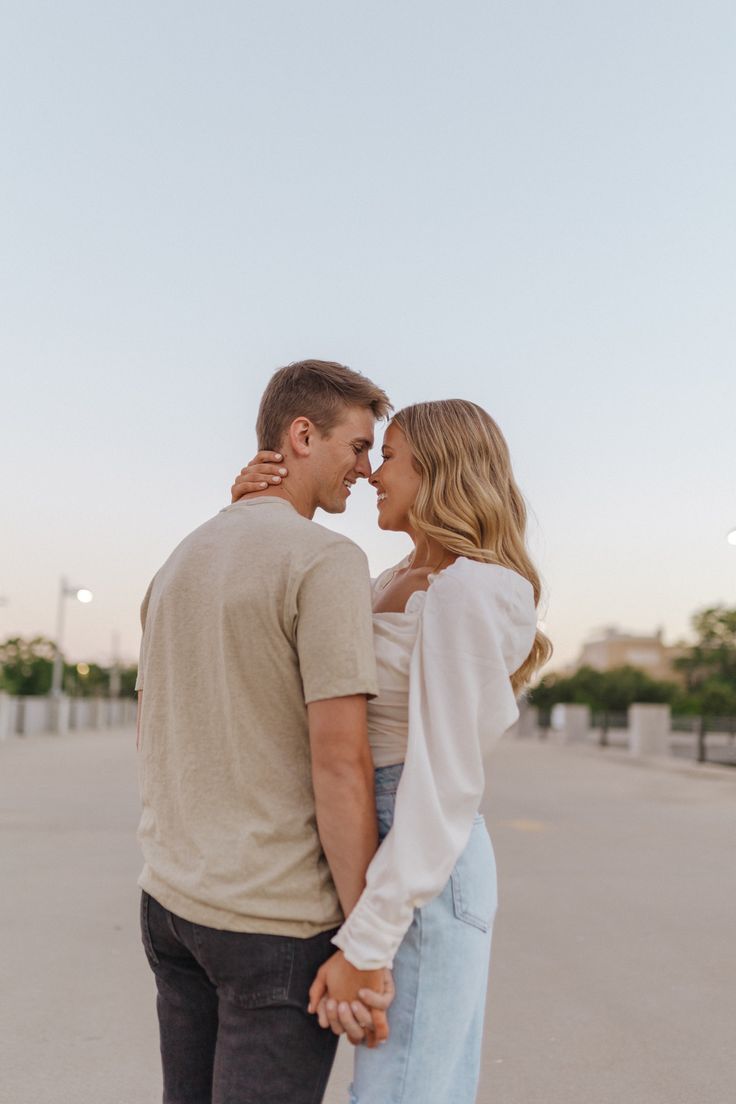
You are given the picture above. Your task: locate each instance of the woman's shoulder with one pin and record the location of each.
(482, 609)
(475, 580)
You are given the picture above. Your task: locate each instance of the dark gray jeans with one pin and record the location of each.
(232, 1012)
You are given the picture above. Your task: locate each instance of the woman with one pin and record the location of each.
(456, 639)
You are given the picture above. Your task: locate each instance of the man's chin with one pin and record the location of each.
(333, 507)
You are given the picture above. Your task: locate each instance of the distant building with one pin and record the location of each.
(613, 648)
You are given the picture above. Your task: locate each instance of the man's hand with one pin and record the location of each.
(334, 997)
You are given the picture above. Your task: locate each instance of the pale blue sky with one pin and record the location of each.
(526, 204)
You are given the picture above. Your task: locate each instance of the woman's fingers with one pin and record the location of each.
(332, 1017)
(258, 471)
(265, 456)
(242, 487)
(380, 1026)
(256, 477)
(348, 1021)
(362, 1015)
(380, 1001)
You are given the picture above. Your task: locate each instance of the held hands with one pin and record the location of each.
(352, 1001)
(266, 469)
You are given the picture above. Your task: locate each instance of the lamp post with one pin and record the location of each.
(115, 668)
(65, 591)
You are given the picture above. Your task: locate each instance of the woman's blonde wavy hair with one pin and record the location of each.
(468, 500)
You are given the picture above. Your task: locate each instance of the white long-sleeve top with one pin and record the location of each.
(475, 626)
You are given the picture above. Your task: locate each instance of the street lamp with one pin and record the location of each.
(65, 591)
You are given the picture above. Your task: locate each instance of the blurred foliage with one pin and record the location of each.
(708, 671)
(26, 668)
(604, 691)
(26, 665)
(709, 668)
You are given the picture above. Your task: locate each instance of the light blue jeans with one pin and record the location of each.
(441, 976)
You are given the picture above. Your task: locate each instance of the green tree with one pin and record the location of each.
(128, 677)
(713, 656)
(26, 665)
(26, 668)
(87, 680)
(709, 666)
(604, 691)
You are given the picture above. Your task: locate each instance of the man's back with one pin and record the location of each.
(256, 613)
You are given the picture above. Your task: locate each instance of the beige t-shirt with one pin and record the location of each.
(255, 614)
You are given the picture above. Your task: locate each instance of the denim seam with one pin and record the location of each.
(321, 1086)
(461, 912)
(291, 971)
(146, 930)
(405, 1074)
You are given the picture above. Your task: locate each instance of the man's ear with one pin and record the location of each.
(300, 436)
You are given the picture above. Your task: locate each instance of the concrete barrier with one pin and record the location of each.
(79, 712)
(59, 710)
(528, 723)
(649, 729)
(570, 723)
(8, 715)
(32, 716)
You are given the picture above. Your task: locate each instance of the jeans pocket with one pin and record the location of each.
(474, 894)
(251, 970)
(146, 930)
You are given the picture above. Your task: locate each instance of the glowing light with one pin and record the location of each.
(84, 595)
(83, 669)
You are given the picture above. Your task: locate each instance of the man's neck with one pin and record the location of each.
(296, 496)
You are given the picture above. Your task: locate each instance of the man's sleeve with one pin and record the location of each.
(334, 630)
(144, 614)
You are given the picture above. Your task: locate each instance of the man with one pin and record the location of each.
(258, 818)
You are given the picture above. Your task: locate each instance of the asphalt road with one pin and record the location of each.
(614, 968)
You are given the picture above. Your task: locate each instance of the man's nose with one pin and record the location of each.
(363, 466)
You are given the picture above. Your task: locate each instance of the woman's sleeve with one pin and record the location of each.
(477, 627)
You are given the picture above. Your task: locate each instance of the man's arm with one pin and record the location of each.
(342, 777)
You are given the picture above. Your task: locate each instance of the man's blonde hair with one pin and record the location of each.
(320, 390)
(468, 500)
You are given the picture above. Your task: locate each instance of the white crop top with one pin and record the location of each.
(394, 637)
(445, 696)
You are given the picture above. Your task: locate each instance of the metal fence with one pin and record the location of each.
(706, 739)
(703, 739)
